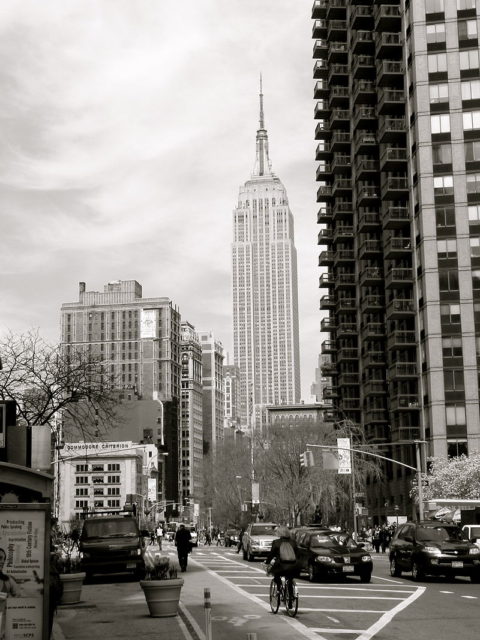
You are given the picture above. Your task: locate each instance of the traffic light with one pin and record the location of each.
(306, 459)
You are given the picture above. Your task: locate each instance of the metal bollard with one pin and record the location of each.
(207, 605)
(251, 636)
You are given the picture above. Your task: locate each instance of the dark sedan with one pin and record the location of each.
(323, 553)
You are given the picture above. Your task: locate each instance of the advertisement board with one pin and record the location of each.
(344, 455)
(148, 323)
(23, 563)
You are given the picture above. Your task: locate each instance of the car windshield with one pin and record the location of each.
(474, 532)
(323, 540)
(109, 528)
(264, 530)
(439, 533)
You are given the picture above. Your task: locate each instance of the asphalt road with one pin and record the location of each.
(387, 608)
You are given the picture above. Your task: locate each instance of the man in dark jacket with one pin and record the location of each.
(182, 542)
(281, 567)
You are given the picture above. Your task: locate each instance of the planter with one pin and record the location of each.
(162, 596)
(72, 587)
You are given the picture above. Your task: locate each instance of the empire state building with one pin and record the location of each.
(265, 291)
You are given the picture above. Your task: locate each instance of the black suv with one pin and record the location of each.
(434, 548)
(325, 553)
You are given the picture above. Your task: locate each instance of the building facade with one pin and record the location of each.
(191, 442)
(138, 339)
(398, 110)
(265, 291)
(212, 384)
(231, 389)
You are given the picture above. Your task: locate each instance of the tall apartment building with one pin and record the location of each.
(265, 291)
(191, 442)
(398, 109)
(231, 388)
(212, 383)
(139, 340)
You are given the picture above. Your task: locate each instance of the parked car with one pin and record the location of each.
(257, 540)
(194, 534)
(323, 553)
(232, 537)
(433, 548)
(472, 533)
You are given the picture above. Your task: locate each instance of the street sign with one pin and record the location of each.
(344, 456)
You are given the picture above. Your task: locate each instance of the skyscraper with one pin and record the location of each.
(265, 291)
(399, 131)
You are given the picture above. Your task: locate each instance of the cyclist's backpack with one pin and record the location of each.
(287, 553)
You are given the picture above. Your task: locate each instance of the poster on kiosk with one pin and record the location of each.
(23, 567)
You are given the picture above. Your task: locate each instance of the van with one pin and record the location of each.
(112, 544)
(472, 532)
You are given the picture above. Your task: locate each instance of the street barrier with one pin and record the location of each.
(207, 605)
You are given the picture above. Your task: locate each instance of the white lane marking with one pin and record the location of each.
(377, 611)
(307, 595)
(191, 620)
(186, 633)
(388, 580)
(469, 597)
(389, 615)
(335, 630)
(447, 592)
(333, 619)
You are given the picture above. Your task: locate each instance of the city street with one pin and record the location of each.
(393, 608)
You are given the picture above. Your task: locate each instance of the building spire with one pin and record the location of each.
(262, 162)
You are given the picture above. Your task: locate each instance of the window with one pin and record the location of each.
(469, 59)
(470, 89)
(457, 448)
(445, 217)
(455, 414)
(434, 6)
(452, 347)
(465, 4)
(473, 182)
(450, 313)
(472, 151)
(476, 279)
(475, 247)
(443, 185)
(471, 120)
(453, 380)
(447, 248)
(448, 280)
(474, 213)
(439, 92)
(81, 468)
(442, 153)
(113, 467)
(436, 32)
(437, 62)
(467, 30)
(440, 123)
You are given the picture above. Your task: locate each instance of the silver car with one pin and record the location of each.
(257, 540)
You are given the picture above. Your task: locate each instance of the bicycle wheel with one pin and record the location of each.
(274, 597)
(291, 598)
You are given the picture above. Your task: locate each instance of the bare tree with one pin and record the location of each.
(49, 383)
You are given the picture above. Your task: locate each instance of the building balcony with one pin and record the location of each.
(368, 221)
(404, 402)
(336, 9)
(322, 110)
(363, 68)
(351, 404)
(328, 346)
(401, 433)
(339, 119)
(362, 43)
(319, 29)
(374, 388)
(370, 249)
(325, 259)
(325, 236)
(324, 193)
(336, 30)
(320, 49)
(321, 90)
(346, 304)
(401, 340)
(328, 324)
(322, 152)
(337, 53)
(400, 309)
(326, 280)
(374, 359)
(376, 416)
(403, 371)
(398, 278)
(347, 354)
(342, 209)
(323, 172)
(364, 118)
(387, 17)
(390, 73)
(367, 195)
(339, 96)
(327, 303)
(366, 169)
(348, 379)
(345, 280)
(324, 215)
(391, 129)
(393, 158)
(322, 130)
(372, 304)
(397, 247)
(346, 329)
(373, 331)
(388, 45)
(391, 101)
(343, 232)
(341, 163)
(343, 256)
(328, 369)
(361, 17)
(320, 70)
(364, 92)
(365, 141)
(338, 74)
(371, 276)
(342, 187)
(340, 141)
(395, 189)
(330, 393)
(319, 9)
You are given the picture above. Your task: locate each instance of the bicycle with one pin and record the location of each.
(288, 594)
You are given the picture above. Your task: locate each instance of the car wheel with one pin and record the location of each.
(365, 577)
(395, 571)
(475, 577)
(417, 572)
(312, 576)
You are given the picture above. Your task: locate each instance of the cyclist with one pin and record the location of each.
(284, 553)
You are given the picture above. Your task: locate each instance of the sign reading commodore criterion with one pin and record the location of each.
(80, 448)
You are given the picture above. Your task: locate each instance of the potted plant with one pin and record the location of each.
(161, 586)
(67, 562)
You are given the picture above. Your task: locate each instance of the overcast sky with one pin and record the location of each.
(127, 127)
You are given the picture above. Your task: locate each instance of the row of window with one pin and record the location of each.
(467, 30)
(81, 504)
(468, 59)
(84, 491)
(438, 6)
(83, 468)
(97, 480)
(440, 122)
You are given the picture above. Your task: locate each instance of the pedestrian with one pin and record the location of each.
(240, 540)
(376, 539)
(208, 538)
(384, 536)
(182, 542)
(152, 538)
(159, 533)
